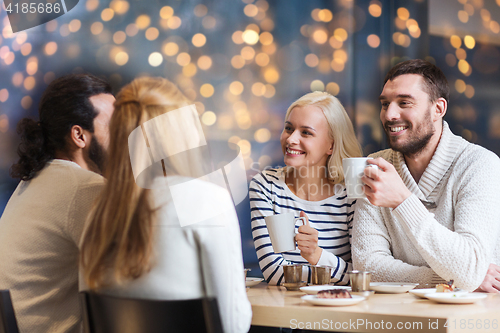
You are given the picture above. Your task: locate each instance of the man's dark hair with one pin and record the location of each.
(435, 83)
(64, 104)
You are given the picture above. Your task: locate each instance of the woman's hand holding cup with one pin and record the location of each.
(307, 242)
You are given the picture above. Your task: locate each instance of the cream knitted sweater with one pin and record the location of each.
(457, 240)
(40, 231)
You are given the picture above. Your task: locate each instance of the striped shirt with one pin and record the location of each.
(332, 218)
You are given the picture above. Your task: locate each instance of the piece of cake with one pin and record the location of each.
(445, 287)
(334, 293)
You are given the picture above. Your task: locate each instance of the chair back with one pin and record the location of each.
(8, 322)
(110, 314)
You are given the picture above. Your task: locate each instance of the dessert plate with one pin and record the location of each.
(253, 281)
(392, 287)
(456, 298)
(313, 299)
(313, 290)
(422, 293)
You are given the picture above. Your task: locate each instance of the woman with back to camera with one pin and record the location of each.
(135, 244)
(317, 135)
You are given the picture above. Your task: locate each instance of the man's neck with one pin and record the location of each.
(417, 163)
(76, 158)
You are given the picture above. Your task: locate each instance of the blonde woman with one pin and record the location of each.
(135, 243)
(317, 135)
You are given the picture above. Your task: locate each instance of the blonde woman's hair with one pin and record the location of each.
(118, 237)
(340, 130)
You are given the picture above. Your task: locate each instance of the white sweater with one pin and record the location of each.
(202, 259)
(457, 240)
(40, 231)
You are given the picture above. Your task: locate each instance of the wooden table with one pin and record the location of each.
(276, 307)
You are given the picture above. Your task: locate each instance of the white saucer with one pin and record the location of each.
(392, 287)
(253, 281)
(313, 299)
(422, 293)
(313, 290)
(456, 298)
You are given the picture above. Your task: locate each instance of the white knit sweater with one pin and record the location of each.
(457, 240)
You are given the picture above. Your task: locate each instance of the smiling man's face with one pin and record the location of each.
(406, 114)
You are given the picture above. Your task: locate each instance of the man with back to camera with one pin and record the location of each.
(434, 203)
(61, 158)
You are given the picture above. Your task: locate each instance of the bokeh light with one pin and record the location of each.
(271, 75)
(143, 21)
(333, 88)
(121, 58)
(208, 118)
(262, 135)
(469, 91)
(469, 42)
(4, 95)
(250, 37)
(152, 33)
(183, 59)
(320, 36)
(29, 83)
(50, 48)
(251, 10)
(375, 9)
(236, 88)
(155, 59)
(311, 60)
(119, 37)
(107, 14)
(26, 102)
(167, 12)
(199, 40)
(170, 49)
(262, 59)
(455, 41)
(403, 13)
(204, 62)
(200, 10)
(207, 90)
(317, 85)
(460, 86)
(96, 28)
(463, 66)
(373, 40)
(463, 16)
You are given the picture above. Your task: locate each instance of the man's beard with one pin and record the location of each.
(417, 141)
(97, 154)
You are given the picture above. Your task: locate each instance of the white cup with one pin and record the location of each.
(353, 171)
(281, 229)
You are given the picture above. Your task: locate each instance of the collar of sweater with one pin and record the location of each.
(448, 149)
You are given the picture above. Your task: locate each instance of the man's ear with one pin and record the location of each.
(441, 107)
(79, 137)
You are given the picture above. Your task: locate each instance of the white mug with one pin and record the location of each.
(354, 168)
(281, 230)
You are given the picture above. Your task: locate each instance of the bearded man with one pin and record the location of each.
(60, 161)
(432, 212)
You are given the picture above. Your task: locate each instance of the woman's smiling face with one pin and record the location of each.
(305, 140)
